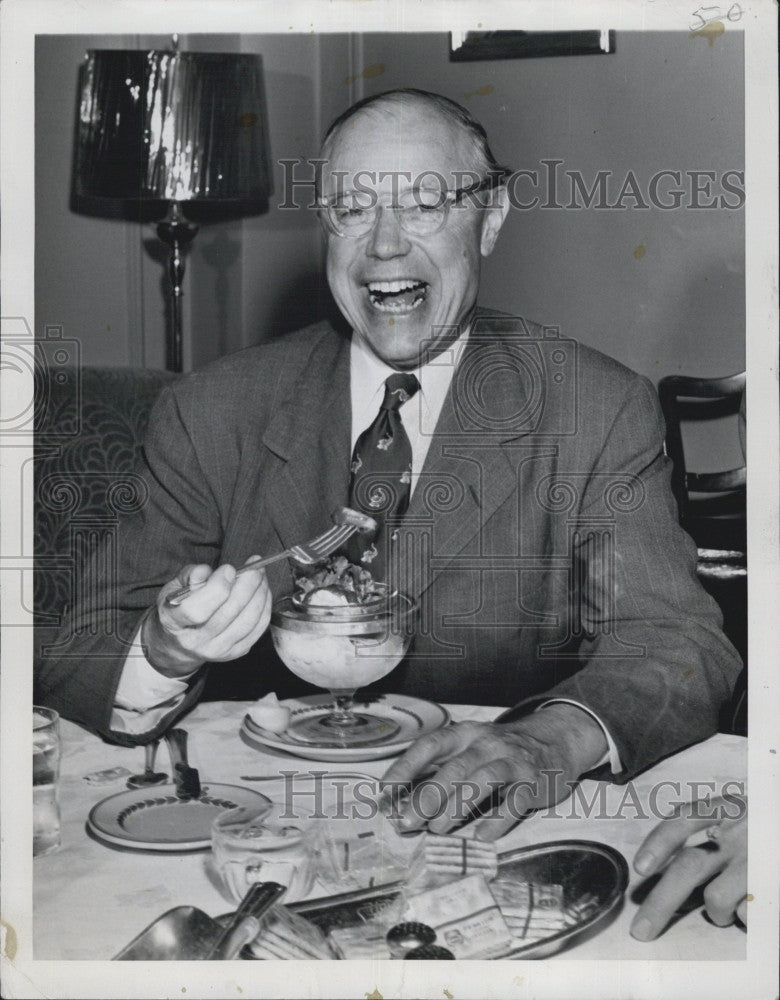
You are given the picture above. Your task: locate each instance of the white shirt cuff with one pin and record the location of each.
(611, 757)
(143, 695)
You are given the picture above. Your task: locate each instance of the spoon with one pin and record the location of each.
(244, 925)
(149, 776)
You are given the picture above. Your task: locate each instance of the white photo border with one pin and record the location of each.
(24, 977)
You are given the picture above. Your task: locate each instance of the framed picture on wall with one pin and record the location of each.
(473, 46)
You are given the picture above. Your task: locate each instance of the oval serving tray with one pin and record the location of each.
(586, 870)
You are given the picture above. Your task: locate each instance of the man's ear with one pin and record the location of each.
(493, 219)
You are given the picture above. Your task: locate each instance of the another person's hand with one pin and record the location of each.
(527, 764)
(219, 621)
(720, 864)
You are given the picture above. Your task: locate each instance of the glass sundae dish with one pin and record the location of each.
(341, 630)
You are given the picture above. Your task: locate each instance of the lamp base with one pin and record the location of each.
(177, 234)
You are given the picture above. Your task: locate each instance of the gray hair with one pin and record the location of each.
(450, 110)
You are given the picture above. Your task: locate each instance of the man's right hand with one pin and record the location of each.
(219, 621)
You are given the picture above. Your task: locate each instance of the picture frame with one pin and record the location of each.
(474, 46)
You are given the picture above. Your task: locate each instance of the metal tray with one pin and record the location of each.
(582, 867)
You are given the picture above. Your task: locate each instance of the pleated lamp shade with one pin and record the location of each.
(157, 127)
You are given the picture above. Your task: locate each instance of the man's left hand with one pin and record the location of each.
(529, 764)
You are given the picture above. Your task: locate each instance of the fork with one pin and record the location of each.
(307, 554)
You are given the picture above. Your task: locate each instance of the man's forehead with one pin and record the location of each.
(412, 139)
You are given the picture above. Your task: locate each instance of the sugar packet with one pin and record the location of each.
(532, 911)
(284, 934)
(442, 858)
(465, 916)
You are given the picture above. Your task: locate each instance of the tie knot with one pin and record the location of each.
(399, 387)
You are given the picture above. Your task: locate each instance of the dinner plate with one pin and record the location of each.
(413, 718)
(154, 819)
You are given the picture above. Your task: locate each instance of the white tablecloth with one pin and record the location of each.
(90, 900)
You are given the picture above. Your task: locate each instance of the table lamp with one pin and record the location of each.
(161, 135)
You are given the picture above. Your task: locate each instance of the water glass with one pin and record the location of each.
(46, 771)
(257, 845)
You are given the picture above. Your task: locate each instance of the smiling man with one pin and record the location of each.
(529, 510)
(405, 247)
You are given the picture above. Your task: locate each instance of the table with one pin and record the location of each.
(90, 900)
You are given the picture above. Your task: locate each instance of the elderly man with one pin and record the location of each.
(535, 524)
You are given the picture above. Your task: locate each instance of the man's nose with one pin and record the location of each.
(387, 238)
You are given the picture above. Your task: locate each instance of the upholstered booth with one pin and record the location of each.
(90, 424)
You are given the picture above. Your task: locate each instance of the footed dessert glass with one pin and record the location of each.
(342, 648)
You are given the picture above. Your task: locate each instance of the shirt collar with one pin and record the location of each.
(369, 372)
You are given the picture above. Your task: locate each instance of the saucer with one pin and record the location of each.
(408, 718)
(154, 819)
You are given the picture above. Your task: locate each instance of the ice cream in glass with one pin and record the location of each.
(341, 631)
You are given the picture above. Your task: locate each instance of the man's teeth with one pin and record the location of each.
(391, 287)
(397, 296)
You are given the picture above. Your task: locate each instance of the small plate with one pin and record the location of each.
(413, 716)
(147, 819)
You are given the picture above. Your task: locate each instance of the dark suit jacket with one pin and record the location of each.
(542, 537)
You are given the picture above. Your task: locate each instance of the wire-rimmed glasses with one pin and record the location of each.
(421, 211)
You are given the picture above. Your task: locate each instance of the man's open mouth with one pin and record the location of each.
(401, 296)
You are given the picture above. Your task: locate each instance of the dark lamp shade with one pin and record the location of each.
(158, 126)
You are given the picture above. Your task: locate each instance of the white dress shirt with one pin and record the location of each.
(144, 696)
(420, 413)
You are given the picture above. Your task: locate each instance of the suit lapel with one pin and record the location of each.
(469, 470)
(309, 437)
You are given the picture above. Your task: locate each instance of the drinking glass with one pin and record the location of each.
(259, 844)
(46, 771)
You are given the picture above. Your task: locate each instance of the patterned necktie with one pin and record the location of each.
(382, 473)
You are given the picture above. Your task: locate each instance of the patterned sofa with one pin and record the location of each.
(89, 427)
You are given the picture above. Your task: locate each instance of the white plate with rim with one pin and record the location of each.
(413, 716)
(154, 819)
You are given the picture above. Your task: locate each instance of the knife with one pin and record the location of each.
(185, 778)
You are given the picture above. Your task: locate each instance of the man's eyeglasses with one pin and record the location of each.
(420, 211)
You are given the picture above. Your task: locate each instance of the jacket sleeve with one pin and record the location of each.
(175, 521)
(656, 666)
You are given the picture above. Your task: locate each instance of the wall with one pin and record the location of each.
(282, 264)
(661, 101)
